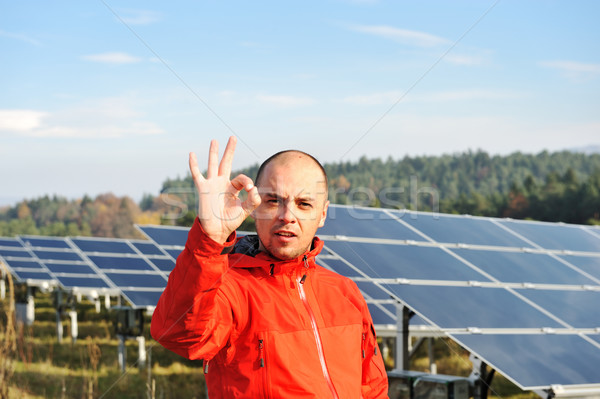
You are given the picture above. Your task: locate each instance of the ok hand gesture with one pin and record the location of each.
(220, 210)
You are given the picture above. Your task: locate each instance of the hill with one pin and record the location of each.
(561, 186)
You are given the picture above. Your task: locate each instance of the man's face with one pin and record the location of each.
(293, 205)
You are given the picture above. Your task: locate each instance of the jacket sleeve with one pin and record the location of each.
(193, 317)
(374, 376)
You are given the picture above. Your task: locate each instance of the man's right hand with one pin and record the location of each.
(220, 210)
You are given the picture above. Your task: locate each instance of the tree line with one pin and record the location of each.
(556, 187)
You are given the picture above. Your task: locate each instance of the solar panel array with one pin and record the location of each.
(136, 269)
(521, 295)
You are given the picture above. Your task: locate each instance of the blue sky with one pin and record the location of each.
(107, 96)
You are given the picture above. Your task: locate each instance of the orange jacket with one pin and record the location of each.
(267, 328)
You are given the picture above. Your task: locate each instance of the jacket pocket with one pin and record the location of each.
(263, 367)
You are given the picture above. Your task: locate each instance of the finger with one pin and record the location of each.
(253, 200)
(213, 159)
(196, 175)
(241, 182)
(227, 161)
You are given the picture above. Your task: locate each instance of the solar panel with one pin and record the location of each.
(10, 242)
(464, 230)
(141, 298)
(174, 253)
(140, 280)
(70, 268)
(580, 309)
(90, 264)
(82, 282)
(147, 248)
(538, 361)
(393, 261)
(555, 236)
(16, 253)
(45, 242)
(371, 290)
(24, 264)
(57, 255)
(25, 276)
(365, 222)
(120, 262)
(523, 267)
(106, 246)
(164, 264)
(381, 316)
(587, 264)
(340, 266)
(451, 307)
(166, 235)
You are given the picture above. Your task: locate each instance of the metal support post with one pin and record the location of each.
(2, 288)
(122, 353)
(480, 378)
(59, 326)
(30, 313)
(402, 339)
(141, 351)
(432, 365)
(107, 301)
(74, 328)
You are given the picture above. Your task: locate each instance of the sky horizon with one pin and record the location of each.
(111, 97)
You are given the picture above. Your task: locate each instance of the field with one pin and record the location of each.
(88, 368)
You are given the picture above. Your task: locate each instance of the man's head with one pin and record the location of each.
(293, 190)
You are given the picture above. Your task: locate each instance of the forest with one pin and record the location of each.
(556, 187)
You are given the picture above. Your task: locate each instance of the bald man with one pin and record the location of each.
(264, 317)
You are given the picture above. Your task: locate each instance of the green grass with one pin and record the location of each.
(88, 368)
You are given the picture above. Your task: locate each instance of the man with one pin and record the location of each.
(267, 321)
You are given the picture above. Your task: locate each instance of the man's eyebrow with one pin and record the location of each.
(302, 198)
(306, 198)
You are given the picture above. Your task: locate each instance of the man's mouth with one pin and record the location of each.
(285, 234)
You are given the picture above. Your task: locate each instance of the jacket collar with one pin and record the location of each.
(247, 246)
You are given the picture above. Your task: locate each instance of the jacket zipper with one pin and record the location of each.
(315, 329)
(262, 368)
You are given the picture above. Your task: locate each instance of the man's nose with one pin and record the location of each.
(286, 213)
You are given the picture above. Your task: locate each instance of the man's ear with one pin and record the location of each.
(324, 214)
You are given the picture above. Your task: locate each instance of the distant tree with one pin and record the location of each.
(146, 202)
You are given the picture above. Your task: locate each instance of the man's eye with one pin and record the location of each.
(306, 204)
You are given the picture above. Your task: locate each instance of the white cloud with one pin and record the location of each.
(404, 36)
(574, 70)
(103, 118)
(139, 17)
(112, 58)
(388, 97)
(285, 101)
(21, 37)
(463, 59)
(468, 95)
(20, 120)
